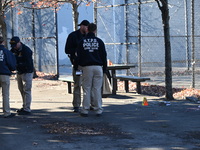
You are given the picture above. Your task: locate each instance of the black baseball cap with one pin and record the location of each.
(84, 22)
(14, 40)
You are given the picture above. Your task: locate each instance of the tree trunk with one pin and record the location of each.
(75, 14)
(168, 64)
(3, 27)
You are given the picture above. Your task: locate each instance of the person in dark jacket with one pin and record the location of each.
(70, 49)
(92, 57)
(25, 70)
(7, 65)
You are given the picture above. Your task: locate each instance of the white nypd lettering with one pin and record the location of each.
(1, 55)
(90, 44)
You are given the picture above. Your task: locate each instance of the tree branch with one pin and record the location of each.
(159, 4)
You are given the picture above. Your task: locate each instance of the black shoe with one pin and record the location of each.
(98, 115)
(19, 110)
(83, 115)
(76, 109)
(10, 116)
(24, 112)
(91, 108)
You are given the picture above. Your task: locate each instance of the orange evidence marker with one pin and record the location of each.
(145, 102)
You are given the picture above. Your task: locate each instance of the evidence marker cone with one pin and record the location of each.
(145, 102)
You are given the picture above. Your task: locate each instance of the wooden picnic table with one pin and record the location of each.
(113, 69)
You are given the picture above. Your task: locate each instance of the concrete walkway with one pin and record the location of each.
(125, 124)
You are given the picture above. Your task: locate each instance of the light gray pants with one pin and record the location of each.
(92, 84)
(25, 85)
(5, 85)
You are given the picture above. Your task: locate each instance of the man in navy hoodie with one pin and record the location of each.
(70, 49)
(7, 64)
(23, 55)
(92, 57)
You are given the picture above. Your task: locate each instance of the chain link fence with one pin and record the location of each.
(133, 33)
(37, 29)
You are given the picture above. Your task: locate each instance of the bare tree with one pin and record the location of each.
(163, 6)
(40, 4)
(56, 3)
(3, 5)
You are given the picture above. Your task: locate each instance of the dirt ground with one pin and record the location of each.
(125, 125)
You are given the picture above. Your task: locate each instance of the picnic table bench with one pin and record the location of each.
(138, 81)
(69, 80)
(126, 79)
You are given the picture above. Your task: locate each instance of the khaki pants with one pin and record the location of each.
(5, 85)
(77, 90)
(25, 85)
(92, 85)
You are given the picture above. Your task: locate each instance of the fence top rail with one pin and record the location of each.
(128, 4)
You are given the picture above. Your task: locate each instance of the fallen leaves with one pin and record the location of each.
(45, 76)
(156, 90)
(70, 128)
(188, 93)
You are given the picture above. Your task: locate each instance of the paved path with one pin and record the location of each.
(177, 81)
(125, 124)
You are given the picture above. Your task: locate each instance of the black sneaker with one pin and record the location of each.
(24, 112)
(98, 115)
(91, 108)
(10, 116)
(83, 115)
(19, 110)
(76, 109)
